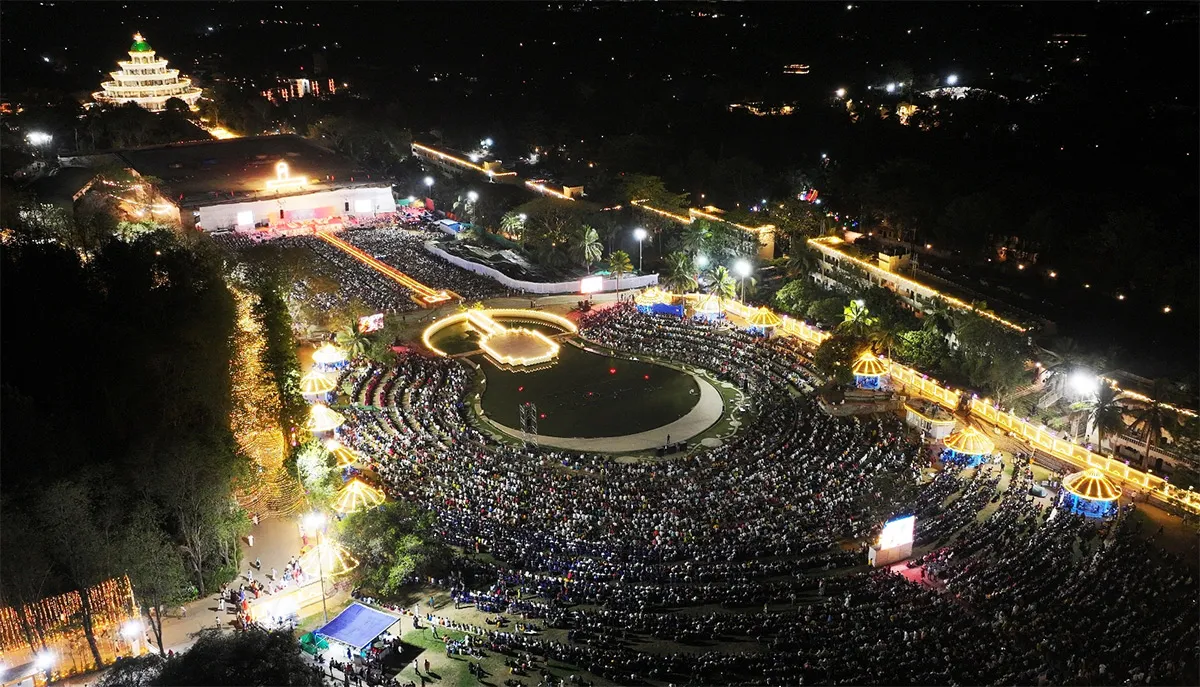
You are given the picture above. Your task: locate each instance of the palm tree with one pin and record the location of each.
(858, 320)
(1104, 413)
(511, 224)
(1152, 418)
(585, 244)
(352, 341)
(680, 274)
(695, 237)
(800, 260)
(883, 340)
(619, 264)
(941, 316)
(721, 283)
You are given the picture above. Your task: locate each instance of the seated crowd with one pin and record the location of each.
(630, 570)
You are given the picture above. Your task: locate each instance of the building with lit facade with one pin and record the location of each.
(259, 182)
(146, 81)
(291, 89)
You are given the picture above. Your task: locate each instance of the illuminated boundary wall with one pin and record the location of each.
(491, 169)
(61, 627)
(537, 286)
(929, 388)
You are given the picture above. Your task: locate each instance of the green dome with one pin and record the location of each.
(139, 44)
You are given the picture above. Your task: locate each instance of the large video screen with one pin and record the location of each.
(897, 532)
(591, 284)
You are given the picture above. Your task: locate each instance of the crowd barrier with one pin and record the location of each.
(540, 287)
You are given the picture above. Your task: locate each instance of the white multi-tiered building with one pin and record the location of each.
(146, 81)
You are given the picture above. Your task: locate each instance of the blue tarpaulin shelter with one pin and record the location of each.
(357, 626)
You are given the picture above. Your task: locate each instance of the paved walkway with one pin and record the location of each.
(703, 415)
(275, 541)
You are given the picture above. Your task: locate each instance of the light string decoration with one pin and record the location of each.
(254, 420)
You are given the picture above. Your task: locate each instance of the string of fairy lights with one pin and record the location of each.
(56, 621)
(254, 420)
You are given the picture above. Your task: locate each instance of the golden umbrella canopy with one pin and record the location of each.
(344, 455)
(652, 296)
(763, 317)
(708, 302)
(314, 384)
(335, 559)
(357, 495)
(970, 441)
(1093, 485)
(322, 419)
(328, 354)
(869, 365)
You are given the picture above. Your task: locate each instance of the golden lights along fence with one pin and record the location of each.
(929, 388)
(461, 162)
(546, 190)
(57, 622)
(424, 295)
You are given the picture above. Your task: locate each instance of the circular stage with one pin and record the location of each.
(586, 399)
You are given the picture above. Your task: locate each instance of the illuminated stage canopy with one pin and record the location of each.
(357, 495)
(315, 384)
(513, 348)
(322, 419)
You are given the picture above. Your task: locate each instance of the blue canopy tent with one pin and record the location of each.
(357, 626)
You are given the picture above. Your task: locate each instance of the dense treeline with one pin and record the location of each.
(118, 458)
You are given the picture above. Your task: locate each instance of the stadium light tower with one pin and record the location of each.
(639, 234)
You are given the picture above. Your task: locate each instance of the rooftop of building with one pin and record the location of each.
(238, 169)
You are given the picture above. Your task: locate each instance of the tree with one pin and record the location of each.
(585, 244)
(680, 274)
(827, 310)
(138, 671)
(352, 341)
(512, 226)
(619, 265)
(1152, 418)
(318, 472)
(835, 356)
(253, 656)
(652, 190)
(392, 542)
(800, 261)
(721, 283)
(857, 320)
(1104, 413)
(695, 237)
(154, 567)
(68, 523)
(925, 349)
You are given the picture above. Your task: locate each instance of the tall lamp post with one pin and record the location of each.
(742, 269)
(316, 522)
(640, 235)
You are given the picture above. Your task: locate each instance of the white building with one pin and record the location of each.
(146, 81)
(279, 182)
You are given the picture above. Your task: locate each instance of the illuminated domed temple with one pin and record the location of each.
(146, 81)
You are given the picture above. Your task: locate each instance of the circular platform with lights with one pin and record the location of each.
(583, 398)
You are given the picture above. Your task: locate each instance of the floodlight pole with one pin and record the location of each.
(321, 574)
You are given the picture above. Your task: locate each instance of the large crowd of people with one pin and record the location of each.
(635, 570)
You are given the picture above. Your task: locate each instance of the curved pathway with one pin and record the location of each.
(703, 415)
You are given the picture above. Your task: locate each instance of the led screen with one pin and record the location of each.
(897, 532)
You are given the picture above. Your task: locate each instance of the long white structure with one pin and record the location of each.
(360, 202)
(146, 81)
